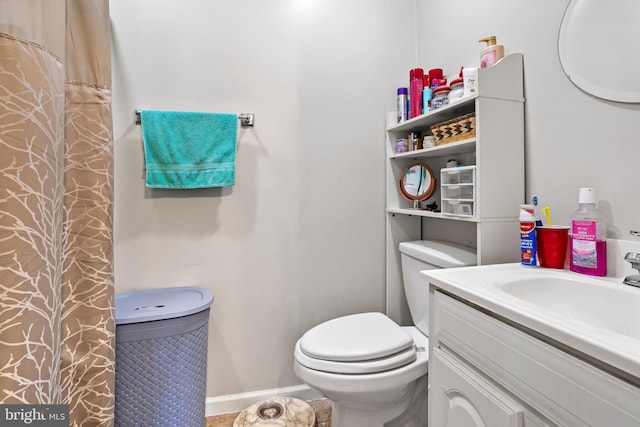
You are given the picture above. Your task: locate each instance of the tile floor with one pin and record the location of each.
(322, 409)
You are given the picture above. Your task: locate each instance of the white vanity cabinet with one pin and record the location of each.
(462, 397)
(497, 151)
(485, 370)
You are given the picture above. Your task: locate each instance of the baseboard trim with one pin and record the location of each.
(233, 403)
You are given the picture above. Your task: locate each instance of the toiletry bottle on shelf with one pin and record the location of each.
(528, 253)
(427, 96)
(437, 78)
(588, 245)
(416, 85)
(492, 53)
(470, 78)
(402, 104)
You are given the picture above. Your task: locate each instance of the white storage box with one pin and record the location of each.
(455, 207)
(458, 190)
(458, 175)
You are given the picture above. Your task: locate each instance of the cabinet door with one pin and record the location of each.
(460, 397)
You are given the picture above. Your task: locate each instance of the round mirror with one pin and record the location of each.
(598, 48)
(417, 182)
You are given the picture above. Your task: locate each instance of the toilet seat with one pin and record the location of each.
(357, 344)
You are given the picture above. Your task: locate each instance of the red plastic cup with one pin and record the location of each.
(552, 245)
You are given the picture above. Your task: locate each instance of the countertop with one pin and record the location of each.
(600, 321)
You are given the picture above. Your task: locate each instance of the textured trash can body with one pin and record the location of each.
(161, 357)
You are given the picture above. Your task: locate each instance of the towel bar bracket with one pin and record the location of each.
(246, 119)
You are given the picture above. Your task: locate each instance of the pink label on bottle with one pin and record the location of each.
(584, 248)
(584, 230)
(488, 59)
(588, 255)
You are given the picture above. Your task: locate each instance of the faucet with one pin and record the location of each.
(634, 259)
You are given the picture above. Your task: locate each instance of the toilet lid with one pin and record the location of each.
(365, 339)
(383, 364)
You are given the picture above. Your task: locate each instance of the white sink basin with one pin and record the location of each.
(599, 305)
(596, 316)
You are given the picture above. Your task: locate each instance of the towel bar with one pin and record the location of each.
(246, 119)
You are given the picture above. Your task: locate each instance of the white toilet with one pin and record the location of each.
(374, 370)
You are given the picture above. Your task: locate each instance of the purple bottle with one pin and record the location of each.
(403, 104)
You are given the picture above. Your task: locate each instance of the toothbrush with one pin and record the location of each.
(534, 202)
(547, 213)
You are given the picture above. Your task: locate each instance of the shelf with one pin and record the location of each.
(429, 214)
(478, 209)
(494, 82)
(440, 215)
(458, 147)
(457, 109)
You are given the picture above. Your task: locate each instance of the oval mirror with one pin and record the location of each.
(598, 48)
(417, 182)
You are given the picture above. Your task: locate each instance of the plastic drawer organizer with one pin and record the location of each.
(161, 357)
(458, 190)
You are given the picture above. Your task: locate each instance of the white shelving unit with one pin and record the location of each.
(497, 151)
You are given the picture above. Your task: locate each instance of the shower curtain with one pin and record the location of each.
(56, 207)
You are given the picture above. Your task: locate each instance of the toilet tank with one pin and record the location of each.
(421, 255)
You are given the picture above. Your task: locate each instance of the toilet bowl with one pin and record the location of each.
(373, 391)
(374, 370)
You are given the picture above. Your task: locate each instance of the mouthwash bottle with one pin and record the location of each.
(588, 245)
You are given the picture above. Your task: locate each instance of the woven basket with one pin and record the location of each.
(455, 130)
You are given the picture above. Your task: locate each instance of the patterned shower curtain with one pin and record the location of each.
(56, 207)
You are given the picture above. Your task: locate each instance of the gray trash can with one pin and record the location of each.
(161, 357)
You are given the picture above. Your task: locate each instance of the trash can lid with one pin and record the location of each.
(161, 304)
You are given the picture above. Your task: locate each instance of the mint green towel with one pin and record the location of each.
(189, 150)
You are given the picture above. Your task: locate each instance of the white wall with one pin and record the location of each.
(275, 249)
(319, 77)
(573, 139)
